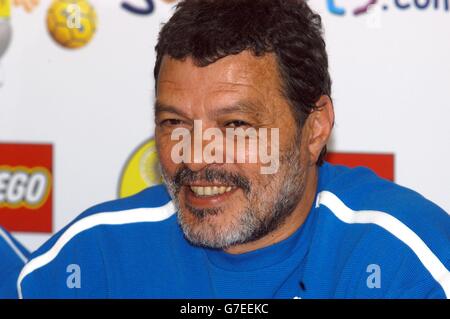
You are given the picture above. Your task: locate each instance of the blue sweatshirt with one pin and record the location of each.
(13, 256)
(364, 237)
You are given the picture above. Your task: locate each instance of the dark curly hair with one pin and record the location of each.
(208, 30)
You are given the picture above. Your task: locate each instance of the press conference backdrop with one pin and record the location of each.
(75, 124)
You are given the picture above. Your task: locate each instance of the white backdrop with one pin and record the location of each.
(390, 68)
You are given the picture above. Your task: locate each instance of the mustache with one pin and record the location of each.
(184, 175)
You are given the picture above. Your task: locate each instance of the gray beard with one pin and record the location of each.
(257, 220)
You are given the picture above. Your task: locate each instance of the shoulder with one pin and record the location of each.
(98, 232)
(378, 211)
(152, 205)
(358, 195)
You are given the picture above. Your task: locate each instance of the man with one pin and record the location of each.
(12, 258)
(227, 226)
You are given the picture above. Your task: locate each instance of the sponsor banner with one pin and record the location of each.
(26, 187)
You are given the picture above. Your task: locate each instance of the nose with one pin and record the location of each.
(203, 149)
(196, 167)
(201, 159)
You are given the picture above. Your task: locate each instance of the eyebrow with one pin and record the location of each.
(161, 107)
(244, 106)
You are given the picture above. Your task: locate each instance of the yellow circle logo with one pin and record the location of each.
(71, 23)
(141, 170)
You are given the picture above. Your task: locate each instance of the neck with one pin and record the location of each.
(291, 224)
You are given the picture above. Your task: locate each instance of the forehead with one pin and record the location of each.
(241, 74)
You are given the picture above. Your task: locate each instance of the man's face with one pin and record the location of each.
(226, 203)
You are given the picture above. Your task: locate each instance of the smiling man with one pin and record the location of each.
(221, 227)
(237, 91)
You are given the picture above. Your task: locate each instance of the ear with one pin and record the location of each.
(319, 125)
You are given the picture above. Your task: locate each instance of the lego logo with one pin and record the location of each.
(24, 187)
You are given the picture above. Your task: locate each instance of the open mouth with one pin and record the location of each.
(207, 196)
(210, 190)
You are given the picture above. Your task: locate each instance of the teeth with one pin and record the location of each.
(210, 190)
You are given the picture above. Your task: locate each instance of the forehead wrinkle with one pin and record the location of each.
(248, 82)
(243, 106)
(256, 75)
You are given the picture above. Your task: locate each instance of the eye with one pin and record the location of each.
(171, 122)
(236, 123)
